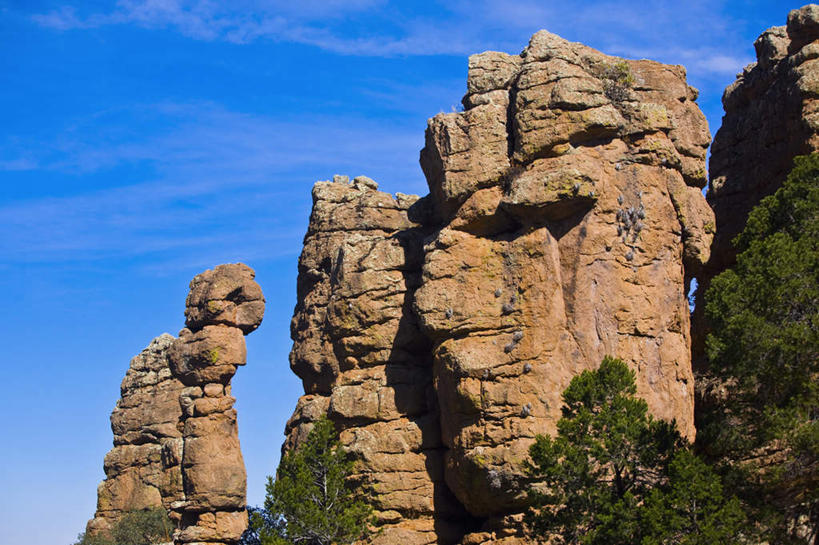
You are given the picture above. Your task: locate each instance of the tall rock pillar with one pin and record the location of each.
(569, 214)
(175, 439)
(223, 305)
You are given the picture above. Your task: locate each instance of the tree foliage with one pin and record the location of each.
(311, 501)
(615, 475)
(138, 527)
(763, 350)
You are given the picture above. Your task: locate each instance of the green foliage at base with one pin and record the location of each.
(311, 501)
(614, 475)
(142, 527)
(763, 352)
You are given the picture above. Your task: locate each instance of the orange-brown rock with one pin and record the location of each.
(143, 469)
(564, 220)
(223, 305)
(581, 247)
(226, 295)
(176, 442)
(362, 358)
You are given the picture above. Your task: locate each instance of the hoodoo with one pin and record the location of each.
(175, 436)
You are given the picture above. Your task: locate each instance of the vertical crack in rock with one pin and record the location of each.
(175, 437)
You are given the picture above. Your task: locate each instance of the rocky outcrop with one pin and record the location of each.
(175, 435)
(143, 469)
(564, 220)
(771, 116)
(363, 359)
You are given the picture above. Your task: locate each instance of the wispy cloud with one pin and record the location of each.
(207, 162)
(379, 28)
(222, 185)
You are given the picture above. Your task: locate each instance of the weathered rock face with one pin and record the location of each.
(224, 304)
(771, 116)
(363, 359)
(143, 469)
(175, 437)
(564, 220)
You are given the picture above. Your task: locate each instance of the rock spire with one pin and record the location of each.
(176, 443)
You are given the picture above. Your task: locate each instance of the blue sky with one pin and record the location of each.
(143, 141)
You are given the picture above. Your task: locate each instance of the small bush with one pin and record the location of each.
(617, 80)
(140, 527)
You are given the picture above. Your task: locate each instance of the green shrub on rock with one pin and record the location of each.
(311, 501)
(139, 527)
(614, 475)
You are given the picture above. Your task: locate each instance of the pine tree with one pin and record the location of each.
(311, 501)
(614, 475)
(763, 351)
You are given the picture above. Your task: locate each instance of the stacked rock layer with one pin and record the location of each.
(176, 439)
(143, 470)
(564, 222)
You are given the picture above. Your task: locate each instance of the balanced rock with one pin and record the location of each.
(223, 305)
(176, 442)
(226, 295)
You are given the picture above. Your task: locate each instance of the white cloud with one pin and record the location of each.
(223, 185)
(721, 64)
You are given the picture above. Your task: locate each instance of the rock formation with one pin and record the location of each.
(143, 469)
(771, 116)
(176, 440)
(564, 221)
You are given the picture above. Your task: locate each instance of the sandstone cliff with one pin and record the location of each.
(564, 221)
(175, 438)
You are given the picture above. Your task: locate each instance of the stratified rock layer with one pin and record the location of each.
(175, 437)
(564, 220)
